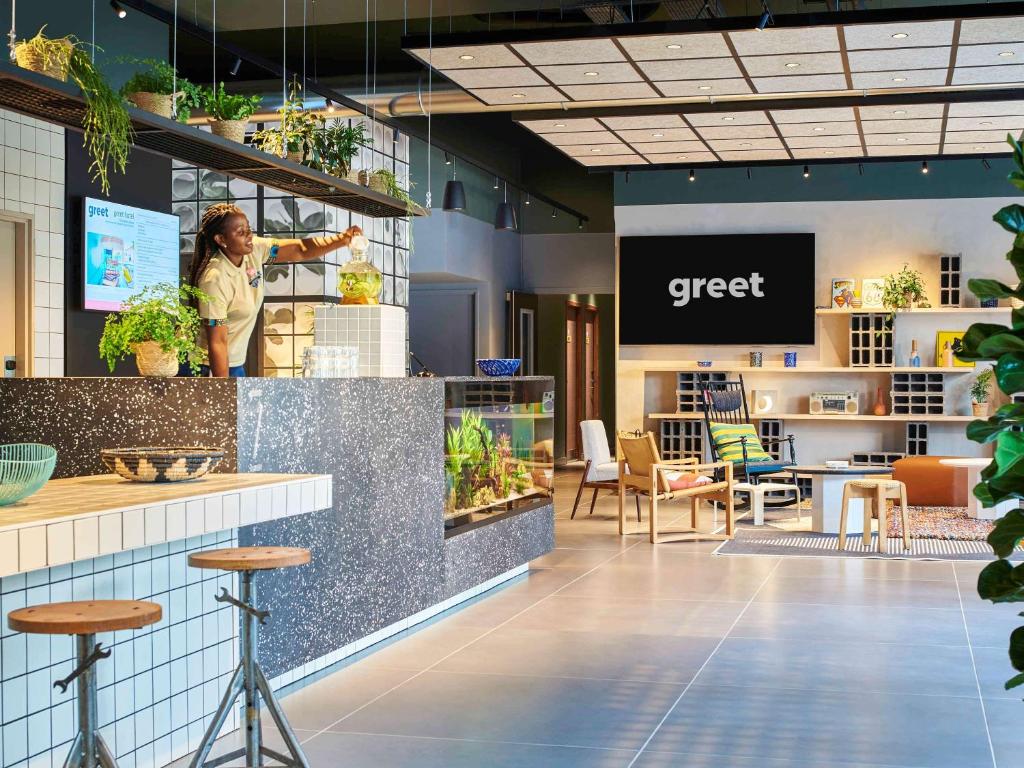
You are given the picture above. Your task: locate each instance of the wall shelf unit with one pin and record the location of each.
(922, 311)
(47, 99)
(807, 369)
(828, 417)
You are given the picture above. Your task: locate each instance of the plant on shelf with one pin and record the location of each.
(335, 145)
(1003, 479)
(156, 86)
(903, 290)
(980, 389)
(229, 112)
(159, 326)
(297, 133)
(385, 181)
(107, 128)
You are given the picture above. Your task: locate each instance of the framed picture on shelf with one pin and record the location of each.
(871, 292)
(955, 339)
(842, 292)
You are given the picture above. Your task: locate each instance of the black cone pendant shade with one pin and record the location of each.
(505, 214)
(454, 196)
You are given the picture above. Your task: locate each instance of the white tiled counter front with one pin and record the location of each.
(96, 538)
(377, 331)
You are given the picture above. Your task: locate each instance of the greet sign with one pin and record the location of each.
(717, 289)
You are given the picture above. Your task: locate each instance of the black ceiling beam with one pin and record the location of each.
(723, 24)
(278, 70)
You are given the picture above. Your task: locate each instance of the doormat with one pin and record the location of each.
(808, 544)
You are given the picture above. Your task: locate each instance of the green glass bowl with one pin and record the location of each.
(24, 469)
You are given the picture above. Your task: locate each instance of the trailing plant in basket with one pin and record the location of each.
(297, 132)
(1003, 479)
(221, 105)
(107, 134)
(160, 313)
(157, 76)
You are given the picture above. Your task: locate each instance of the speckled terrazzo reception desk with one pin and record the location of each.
(381, 559)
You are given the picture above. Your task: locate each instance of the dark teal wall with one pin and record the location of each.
(779, 184)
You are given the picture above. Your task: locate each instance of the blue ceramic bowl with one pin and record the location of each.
(703, 363)
(499, 366)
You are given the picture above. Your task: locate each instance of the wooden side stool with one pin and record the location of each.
(878, 491)
(249, 678)
(84, 619)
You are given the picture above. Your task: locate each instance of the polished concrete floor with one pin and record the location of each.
(613, 653)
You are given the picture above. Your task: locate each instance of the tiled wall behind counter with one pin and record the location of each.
(32, 167)
(287, 322)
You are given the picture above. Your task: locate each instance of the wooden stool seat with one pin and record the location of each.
(84, 617)
(250, 558)
(877, 491)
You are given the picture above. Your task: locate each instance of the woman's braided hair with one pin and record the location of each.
(214, 219)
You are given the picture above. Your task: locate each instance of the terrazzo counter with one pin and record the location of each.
(381, 556)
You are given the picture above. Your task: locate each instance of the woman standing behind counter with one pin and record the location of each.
(228, 267)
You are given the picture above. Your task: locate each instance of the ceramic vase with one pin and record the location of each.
(879, 403)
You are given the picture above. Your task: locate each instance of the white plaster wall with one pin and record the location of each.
(32, 169)
(576, 262)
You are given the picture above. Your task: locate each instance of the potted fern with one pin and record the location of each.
(107, 128)
(229, 113)
(156, 86)
(159, 326)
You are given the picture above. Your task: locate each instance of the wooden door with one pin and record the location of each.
(521, 330)
(572, 394)
(588, 365)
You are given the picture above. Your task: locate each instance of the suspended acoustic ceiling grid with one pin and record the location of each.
(751, 68)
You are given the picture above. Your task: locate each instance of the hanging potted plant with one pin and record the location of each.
(980, 390)
(152, 88)
(229, 112)
(159, 326)
(297, 134)
(335, 146)
(107, 128)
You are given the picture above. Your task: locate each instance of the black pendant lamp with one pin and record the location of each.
(454, 194)
(505, 215)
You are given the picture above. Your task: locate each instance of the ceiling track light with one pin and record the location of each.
(579, 224)
(527, 200)
(554, 214)
(860, 169)
(236, 66)
(924, 166)
(447, 159)
(807, 172)
(766, 17)
(693, 176)
(627, 177)
(330, 106)
(495, 182)
(985, 164)
(118, 9)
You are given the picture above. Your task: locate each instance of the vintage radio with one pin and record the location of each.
(835, 402)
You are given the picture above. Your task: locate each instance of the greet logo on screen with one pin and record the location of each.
(95, 210)
(685, 289)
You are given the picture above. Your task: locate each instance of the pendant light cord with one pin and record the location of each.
(12, 36)
(174, 64)
(303, 52)
(430, 97)
(284, 77)
(214, 30)
(92, 52)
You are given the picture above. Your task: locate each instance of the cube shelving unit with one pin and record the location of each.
(682, 439)
(688, 393)
(917, 438)
(871, 340)
(771, 429)
(875, 458)
(918, 394)
(949, 279)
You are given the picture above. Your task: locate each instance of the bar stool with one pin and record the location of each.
(878, 491)
(84, 619)
(248, 677)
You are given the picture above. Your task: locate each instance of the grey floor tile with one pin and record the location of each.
(318, 705)
(903, 593)
(994, 670)
(854, 623)
(653, 658)
(422, 648)
(990, 625)
(685, 578)
(649, 759)
(842, 666)
(533, 710)
(1004, 722)
(865, 568)
(817, 726)
(570, 557)
(330, 750)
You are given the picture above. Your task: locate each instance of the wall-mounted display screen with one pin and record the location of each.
(126, 249)
(717, 289)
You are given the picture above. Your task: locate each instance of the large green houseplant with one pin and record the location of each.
(1003, 479)
(107, 128)
(229, 112)
(155, 86)
(159, 326)
(296, 135)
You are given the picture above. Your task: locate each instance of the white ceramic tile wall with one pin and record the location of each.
(32, 171)
(158, 690)
(378, 332)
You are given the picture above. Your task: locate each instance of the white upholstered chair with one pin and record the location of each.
(601, 470)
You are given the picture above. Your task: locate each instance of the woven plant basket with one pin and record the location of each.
(353, 176)
(230, 129)
(296, 155)
(161, 104)
(153, 361)
(364, 178)
(377, 184)
(30, 59)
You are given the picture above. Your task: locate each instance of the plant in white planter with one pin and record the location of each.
(159, 326)
(981, 387)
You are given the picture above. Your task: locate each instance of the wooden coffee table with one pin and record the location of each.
(827, 494)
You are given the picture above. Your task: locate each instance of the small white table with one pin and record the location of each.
(974, 507)
(827, 494)
(757, 493)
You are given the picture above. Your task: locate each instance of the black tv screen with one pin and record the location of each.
(717, 289)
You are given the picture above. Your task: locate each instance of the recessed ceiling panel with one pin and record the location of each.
(669, 146)
(585, 150)
(900, 112)
(799, 84)
(986, 75)
(818, 129)
(998, 30)
(921, 78)
(776, 40)
(731, 131)
(534, 94)
(727, 118)
(798, 64)
(684, 157)
(825, 115)
(720, 145)
(566, 74)
(657, 134)
(690, 69)
(584, 137)
(569, 52)
(977, 137)
(827, 153)
(906, 150)
(495, 77)
(706, 88)
(990, 148)
(645, 121)
(988, 55)
(897, 139)
(566, 125)
(753, 156)
(807, 142)
(656, 47)
(901, 126)
(908, 58)
(915, 34)
(1006, 123)
(609, 91)
(468, 57)
(986, 108)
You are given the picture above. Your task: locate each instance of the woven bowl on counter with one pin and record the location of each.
(163, 464)
(24, 469)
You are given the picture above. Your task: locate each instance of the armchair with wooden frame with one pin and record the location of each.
(642, 469)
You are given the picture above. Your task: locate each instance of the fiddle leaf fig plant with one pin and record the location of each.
(1003, 479)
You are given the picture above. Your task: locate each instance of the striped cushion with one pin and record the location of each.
(727, 442)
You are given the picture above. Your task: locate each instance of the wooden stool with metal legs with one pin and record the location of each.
(249, 678)
(877, 491)
(85, 619)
